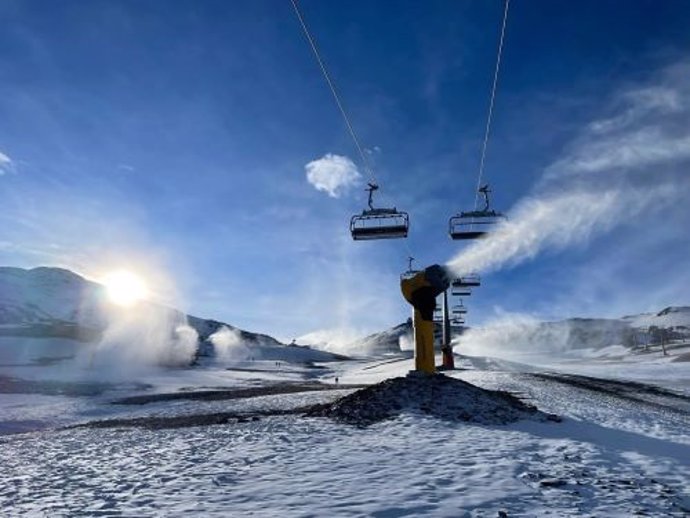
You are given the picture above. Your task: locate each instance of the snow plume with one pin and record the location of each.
(143, 336)
(335, 340)
(511, 335)
(333, 174)
(633, 161)
(406, 342)
(556, 222)
(517, 335)
(228, 345)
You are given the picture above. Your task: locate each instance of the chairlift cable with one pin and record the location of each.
(401, 224)
(331, 85)
(491, 104)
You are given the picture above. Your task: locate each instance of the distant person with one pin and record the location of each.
(336, 380)
(293, 343)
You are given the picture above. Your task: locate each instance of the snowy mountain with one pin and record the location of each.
(392, 340)
(57, 303)
(672, 317)
(581, 333)
(48, 295)
(573, 334)
(671, 323)
(51, 301)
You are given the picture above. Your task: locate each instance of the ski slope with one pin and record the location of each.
(229, 439)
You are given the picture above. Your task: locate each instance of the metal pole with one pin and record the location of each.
(446, 321)
(446, 348)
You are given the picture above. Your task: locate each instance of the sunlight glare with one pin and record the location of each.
(125, 288)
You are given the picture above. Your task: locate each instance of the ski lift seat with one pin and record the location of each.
(460, 235)
(468, 281)
(410, 271)
(379, 224)
(473, 225)
(460, 291)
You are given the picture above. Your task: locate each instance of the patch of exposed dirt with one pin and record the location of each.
(186, 421)
(226, 394)
(434, 395)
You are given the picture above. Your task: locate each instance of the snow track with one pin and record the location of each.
(637, 392)
(288, 466)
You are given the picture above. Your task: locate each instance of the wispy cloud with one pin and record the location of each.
(333, 174)
(641, 148)
(647, 127)
(6, 164)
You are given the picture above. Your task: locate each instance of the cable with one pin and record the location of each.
(491, 105)
(339, 103)
(331, 85)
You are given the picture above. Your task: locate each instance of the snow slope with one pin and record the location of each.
(611, 456)
(228, 437)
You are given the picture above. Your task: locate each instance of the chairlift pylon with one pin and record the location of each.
(381, 223)
(475, 224)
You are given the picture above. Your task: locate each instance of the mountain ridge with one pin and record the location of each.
(56, 302)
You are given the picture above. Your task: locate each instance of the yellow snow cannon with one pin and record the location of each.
(421, 290)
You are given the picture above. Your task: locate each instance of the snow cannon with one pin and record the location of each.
(421, 291)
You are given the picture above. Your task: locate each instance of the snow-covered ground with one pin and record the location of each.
(621, 450)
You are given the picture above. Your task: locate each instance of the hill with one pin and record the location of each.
(49, 302)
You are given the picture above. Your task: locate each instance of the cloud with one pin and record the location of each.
(641, 148)
(639, 103)
(333, 174)
(647, 127)
(6, 164)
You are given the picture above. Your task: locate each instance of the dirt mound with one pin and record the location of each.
(435, 395)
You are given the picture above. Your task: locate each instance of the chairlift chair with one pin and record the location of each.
(458, 290)
(410, 272)
(379, 223)
(476, 223)
(468, 281)
(460, 309)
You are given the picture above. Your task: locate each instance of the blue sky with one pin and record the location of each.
(172, 138)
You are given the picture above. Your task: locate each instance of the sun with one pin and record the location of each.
(125, 288)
